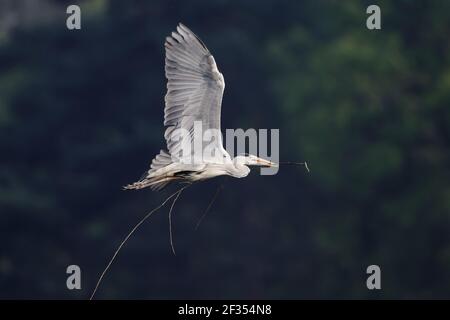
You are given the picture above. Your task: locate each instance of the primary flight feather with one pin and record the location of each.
(195, 88)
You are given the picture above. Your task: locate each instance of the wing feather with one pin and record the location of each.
(194, 86)
(194, 93)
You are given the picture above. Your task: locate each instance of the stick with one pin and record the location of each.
(209, 206)
(297, 163)
(170, 220)
(128, 236)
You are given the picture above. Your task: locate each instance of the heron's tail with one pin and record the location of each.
(155, 183)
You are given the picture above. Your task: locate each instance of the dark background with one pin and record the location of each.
(81, 115)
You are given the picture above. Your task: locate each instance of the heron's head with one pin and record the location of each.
(252, 160)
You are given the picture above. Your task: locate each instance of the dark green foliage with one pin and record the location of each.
(81, 115)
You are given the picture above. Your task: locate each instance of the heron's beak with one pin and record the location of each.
(266, 163)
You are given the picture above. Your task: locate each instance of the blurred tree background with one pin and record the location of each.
(81, 115)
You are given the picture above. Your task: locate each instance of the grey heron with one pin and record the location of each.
(194, 93)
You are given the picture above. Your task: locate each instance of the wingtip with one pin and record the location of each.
(183, 28)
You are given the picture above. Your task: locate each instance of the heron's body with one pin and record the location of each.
(194, 93)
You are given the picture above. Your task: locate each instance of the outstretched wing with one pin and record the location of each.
(194, 89)
(194, 95)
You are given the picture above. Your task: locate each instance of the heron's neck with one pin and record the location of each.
(238, 169)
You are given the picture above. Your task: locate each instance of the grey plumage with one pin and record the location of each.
(194, 93)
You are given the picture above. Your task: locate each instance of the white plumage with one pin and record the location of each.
(194, 94)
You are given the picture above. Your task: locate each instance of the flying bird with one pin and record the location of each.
(194, 93)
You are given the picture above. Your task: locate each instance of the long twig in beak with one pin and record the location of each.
(297, 163)
(170, 221)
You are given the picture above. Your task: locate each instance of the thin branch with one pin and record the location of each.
(128, 236)
(297, 163)
(209, 206)
(170, 221)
